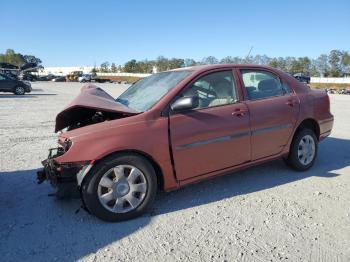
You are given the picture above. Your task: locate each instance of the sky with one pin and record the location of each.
(77, 33)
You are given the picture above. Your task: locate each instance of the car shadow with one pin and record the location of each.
(54, 229)
(333, 154)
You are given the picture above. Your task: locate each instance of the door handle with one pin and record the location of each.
(239, 113)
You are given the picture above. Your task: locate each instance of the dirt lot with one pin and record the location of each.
(266, 213)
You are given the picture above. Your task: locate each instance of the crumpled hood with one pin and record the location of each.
(90, 100)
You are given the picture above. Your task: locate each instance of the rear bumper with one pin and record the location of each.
(326, 127)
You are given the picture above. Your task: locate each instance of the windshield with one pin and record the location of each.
(142, 95)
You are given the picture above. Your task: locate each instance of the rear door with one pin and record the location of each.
(216, 134)
(273, 111)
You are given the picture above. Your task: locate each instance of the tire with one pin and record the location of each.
(19, 90)
(303, 150)
(127, 198)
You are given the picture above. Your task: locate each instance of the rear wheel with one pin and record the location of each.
(303, 150)
(120, 188)
(19, 90)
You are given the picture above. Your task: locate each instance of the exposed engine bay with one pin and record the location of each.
(91, 106)
(81, 117)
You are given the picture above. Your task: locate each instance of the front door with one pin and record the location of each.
(216, 134)
(273, 112)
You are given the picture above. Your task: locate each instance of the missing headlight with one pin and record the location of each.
(66, 144)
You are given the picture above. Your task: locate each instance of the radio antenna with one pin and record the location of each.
(251, 48)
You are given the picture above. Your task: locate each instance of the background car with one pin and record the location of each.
(13, 85)
(48, 77)
(344, 91)
(59, 79)
(85, 78)
(302, 77)
(28, 76)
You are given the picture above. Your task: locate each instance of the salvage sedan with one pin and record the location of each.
(179, 127)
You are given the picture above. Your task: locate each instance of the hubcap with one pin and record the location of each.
(122, 189)
(306, 150)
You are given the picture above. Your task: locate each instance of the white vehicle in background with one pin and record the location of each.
(85, 78)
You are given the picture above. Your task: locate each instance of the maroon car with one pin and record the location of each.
(180, 127)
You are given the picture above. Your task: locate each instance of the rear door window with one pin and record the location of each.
(261, 84)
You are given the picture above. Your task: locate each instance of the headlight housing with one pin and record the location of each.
(27, 83)
(66, 143)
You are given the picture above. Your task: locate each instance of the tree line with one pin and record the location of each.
(334, 64)
(18, 59)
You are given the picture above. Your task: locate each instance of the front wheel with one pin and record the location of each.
(120, 188)
(303, 150)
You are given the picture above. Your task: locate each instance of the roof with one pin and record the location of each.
(218, 66)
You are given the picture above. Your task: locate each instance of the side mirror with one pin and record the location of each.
(185, 103)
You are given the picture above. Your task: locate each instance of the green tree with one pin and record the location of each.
(261, 60)
(176, 63)
(113, 68)
(145, 66)
(279, 63)
(210, 60)
(162, 63)
(12, 57)
(322, 65)
(227, 60)
(130, 66)
(189, 62)
(334, 60)
(337, 63)
(32, 59)
(345, 63)
(104, 67)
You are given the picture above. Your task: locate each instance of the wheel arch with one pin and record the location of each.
(311, 124)
(155, 165)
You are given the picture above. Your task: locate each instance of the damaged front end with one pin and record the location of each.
(92, 106)
(65, 177)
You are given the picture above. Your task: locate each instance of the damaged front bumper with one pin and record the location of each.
(66, 177)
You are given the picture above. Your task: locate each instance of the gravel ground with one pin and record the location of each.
(266, 213)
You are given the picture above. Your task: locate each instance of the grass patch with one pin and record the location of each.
(329, 85)
(129, 79)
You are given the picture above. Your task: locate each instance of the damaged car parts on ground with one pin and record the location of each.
(179, 127)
